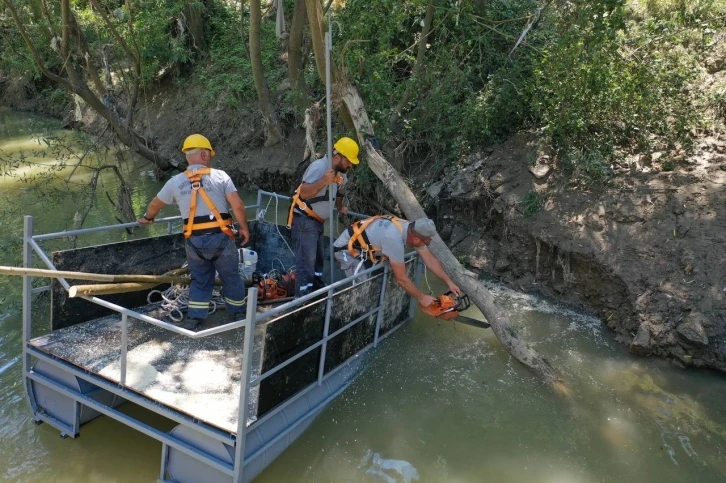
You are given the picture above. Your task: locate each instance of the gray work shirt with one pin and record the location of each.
(384, 234)
(315, 171)
(217, 185)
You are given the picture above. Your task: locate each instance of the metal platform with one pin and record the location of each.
(197, 377)
(240, 391)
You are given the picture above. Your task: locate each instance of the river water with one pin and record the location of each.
(439, 401)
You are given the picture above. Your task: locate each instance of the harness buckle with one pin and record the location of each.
(196, 185)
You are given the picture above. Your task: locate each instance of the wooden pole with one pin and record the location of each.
(108, 288)
(112, 288)
(96, 277)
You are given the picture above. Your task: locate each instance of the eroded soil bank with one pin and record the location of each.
(648, 256)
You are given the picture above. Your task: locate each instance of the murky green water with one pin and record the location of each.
(438, 401)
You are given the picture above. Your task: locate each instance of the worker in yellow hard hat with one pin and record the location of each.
(207, 198)
(310, 208)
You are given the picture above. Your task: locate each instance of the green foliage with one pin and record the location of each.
(599, 78)
(588, 167)
(616, 78)
(531, 204)
(669, 166)
(468, 93)
(228, 75)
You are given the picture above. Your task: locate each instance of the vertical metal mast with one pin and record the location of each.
(333, 188)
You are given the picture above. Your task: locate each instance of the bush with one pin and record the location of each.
(617, 79)
(468, 94)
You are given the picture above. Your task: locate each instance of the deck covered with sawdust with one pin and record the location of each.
(198, 377)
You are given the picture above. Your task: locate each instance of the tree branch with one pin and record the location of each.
(34, 52)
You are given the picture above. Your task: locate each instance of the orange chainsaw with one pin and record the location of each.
(449, 307)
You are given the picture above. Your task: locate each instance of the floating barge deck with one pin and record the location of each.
(240, 391)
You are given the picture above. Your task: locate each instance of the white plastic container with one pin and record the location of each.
(247, 262)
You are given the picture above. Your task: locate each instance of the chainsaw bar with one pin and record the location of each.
(473, 322)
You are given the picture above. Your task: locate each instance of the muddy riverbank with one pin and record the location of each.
(647, 255)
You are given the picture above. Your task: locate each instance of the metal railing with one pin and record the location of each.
(30, 246)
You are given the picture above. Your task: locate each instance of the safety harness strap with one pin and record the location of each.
(195, 177)
(300, 204)
(359, 241)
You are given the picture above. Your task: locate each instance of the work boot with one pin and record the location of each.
(318, 283)
(192, 324)
(235, 316)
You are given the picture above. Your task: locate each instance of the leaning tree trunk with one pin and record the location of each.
(481, 297)
(295, 56)
(273, 134)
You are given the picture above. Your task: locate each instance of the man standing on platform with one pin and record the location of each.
(311, 207)
(205, 197)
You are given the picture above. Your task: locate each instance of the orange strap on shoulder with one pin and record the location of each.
(195, 177)
(359, 228)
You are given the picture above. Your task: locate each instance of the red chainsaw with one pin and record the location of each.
(449, 307)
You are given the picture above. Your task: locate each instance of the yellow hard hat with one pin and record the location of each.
(348, 148)
(197, 141)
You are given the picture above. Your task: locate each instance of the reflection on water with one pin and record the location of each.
(439, 401)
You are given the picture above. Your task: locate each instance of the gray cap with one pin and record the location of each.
(424, 227)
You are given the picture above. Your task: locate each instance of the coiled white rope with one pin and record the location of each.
(175, 300)
(261, 214)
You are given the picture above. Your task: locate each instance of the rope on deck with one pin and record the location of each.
(175, 300)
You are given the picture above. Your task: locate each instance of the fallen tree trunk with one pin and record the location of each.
(410, 206)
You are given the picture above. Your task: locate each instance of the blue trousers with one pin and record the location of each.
(205, 254)
(309, 257)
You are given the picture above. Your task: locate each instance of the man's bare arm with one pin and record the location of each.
(151, 211)
(240, 214)
(308, 190)
(399, 271)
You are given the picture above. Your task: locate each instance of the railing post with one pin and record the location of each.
(124, 346)
(27, 306)
(259, 203)
(381, 301)
(164, 461)
(326, 331)
(244, 390)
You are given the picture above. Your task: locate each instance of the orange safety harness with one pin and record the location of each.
(359, 243)
(304, 205)
(192, 225)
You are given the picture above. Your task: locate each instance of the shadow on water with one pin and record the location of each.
(439, 401)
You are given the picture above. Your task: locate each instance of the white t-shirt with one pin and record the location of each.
(178, 191)
(385, 234)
